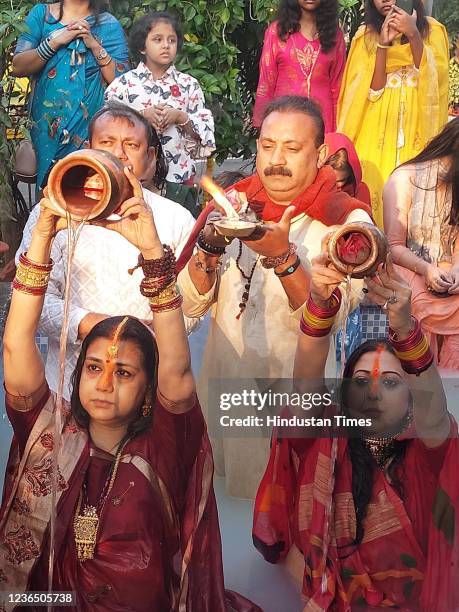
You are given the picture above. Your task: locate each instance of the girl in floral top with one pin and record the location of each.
(172, 101)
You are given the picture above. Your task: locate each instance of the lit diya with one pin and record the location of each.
(234, 225)
(357, 249)
(89, 184)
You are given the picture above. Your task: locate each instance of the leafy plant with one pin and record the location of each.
(447, 13)
(11, 26)
(350, 16)
(223, 42)
(210, 55)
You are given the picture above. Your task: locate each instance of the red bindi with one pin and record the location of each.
(376, 369)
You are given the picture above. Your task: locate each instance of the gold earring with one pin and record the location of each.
(147, 404)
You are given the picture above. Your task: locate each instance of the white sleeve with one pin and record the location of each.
(27, 233)
(52, 316)
(184, 229)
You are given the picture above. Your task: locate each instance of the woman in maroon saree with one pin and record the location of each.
(136, 520)
(372, 516)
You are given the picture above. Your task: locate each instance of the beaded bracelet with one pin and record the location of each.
(210, 249)
(317, 321)
(414, 352)
(154, 268)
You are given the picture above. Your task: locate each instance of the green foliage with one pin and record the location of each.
(223, 41)
(11, 26)
(350, 16)
(446, 11)
(210, 55)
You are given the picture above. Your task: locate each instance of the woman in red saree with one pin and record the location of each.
(374, 515)
(136, 521)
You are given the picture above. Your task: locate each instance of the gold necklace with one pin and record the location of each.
(381, 449)
(86, 524)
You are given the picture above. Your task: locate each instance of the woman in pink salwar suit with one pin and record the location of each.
(304, 54)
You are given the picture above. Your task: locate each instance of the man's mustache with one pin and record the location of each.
(280, 170)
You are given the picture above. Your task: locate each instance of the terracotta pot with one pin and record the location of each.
(358, 249)
(89, 184)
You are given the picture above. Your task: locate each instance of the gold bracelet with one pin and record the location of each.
(380, 46)
(184, 123)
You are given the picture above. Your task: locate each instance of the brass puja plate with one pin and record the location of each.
(235, 228)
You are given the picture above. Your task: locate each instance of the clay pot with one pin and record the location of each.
(89, 184)
(358, 249)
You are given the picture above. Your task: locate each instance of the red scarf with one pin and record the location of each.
(321, 201)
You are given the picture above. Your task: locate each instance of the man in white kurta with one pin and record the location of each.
(262, 342)
(100, 283)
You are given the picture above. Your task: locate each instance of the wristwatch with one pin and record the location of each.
(102, 54)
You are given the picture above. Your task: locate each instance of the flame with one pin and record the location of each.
(219, 196)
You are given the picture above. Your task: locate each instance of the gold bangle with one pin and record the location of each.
(154, 304)
(31, 277)
(380, 46)
(184, 123)
(167, 295)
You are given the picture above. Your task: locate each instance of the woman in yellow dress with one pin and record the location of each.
(394, 93)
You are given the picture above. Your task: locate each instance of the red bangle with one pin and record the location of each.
(317, 321)
(414, 352)
(29, 290)
(313, 331)
(151, 287)
(34, 265)
(175, 303)
(326, 313)
(413, 338)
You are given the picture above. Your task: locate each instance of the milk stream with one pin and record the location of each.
(73, 233)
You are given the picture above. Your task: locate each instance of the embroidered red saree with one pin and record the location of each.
(158, 545)
(409, 557)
